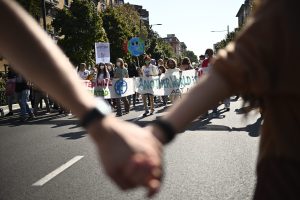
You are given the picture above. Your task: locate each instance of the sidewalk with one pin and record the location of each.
(15, 107)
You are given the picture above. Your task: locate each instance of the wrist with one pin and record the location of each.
(163, 131)
(97, 113)
(157, 133)
(99, 129)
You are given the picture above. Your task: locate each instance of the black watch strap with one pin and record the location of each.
(168, 130)
(91, 116)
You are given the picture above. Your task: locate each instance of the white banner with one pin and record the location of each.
(166, 84)
(102, 52)
(116, 88)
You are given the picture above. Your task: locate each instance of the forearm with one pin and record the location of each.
(33, 54)
(205, 95)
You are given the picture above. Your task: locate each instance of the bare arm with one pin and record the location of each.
(125, 148)
(33, 54)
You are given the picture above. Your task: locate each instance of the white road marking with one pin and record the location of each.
(59, 170)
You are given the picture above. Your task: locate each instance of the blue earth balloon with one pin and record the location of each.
(136, 46)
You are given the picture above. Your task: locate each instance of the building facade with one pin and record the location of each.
(244, 12)
(51, 8)
(144, 14)
(175, 43)
(103, 4)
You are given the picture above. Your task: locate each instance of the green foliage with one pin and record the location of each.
(229, 38)
(32, 6)
(79, 27)
(121, 23)
(157, 48)
(191, 55)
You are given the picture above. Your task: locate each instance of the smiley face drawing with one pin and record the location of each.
(136, 46)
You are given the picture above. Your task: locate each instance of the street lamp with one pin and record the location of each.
(155, 25)
(222, 30)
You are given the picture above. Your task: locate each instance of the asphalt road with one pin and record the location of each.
(213, 159)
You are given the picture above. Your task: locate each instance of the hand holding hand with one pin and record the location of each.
(131, 155)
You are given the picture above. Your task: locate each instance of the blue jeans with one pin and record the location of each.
(10, 101)
(23, 98)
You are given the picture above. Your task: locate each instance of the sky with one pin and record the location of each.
(193, 20)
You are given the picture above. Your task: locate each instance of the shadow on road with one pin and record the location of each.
(60, 120)
(252, 129)
(73, 135)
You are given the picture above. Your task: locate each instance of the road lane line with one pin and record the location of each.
(59, 170)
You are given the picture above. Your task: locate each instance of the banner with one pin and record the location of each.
(116, 88)
(102, 52)
(166, 84)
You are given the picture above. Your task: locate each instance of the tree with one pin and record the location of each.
(158, 48)
(229, 38)
(191, 55)
(32, 6)
(121, 23)
(78, 28)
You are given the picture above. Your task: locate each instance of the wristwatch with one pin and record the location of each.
(100, 111)
(166, 128)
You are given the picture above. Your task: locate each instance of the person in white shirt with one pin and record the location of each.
(148, 70)
(172, 68)
(83, 72)
(102, 73)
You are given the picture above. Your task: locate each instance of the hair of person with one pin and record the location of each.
(121, 61)
(104, 71)
(82, 65)
(186, 61)
(147, 57)
(172, 60)
(209, 52)
(162, 68)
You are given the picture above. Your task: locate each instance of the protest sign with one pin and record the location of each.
(166, 84)
(102, 52)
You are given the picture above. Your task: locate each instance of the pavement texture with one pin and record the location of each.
(212, 159)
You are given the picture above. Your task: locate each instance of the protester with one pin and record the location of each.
(148, 70)
(160, 62)
(93, 73)
(133, 73)
(83, 72)
(2, 85)
(201, 59)
(130, 155)
(186, 64)
(162, 70)
(110, 70)
(120, 73)
(206, 67)
(173, 69)
(23, 92)
(165, 62)
(39, 96)
(103, 73)
(10, 90)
